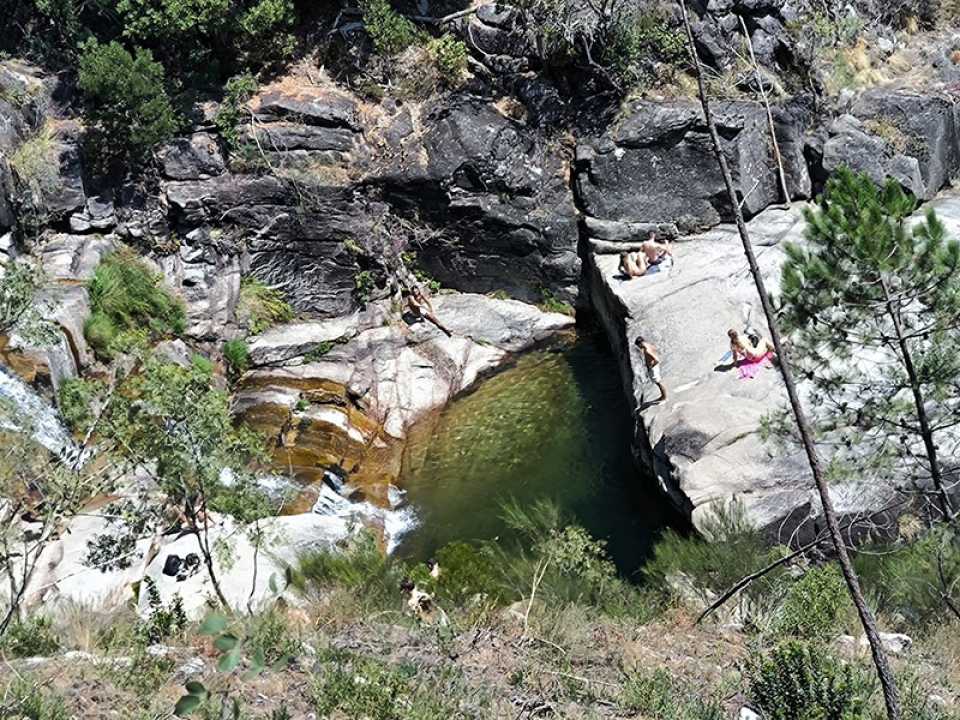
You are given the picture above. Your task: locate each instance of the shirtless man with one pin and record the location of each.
(655, 252)
(651, 360)
(419, 304)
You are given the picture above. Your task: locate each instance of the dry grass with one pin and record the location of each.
(36, 161)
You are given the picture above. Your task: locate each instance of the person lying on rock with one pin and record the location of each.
(752, 348)
(420, 306)
(656, 252)
(651, 361)
(633, 264)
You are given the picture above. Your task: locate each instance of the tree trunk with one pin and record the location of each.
(884, 673)
(926, 433)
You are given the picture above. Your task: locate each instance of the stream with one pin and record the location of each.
(553, 425)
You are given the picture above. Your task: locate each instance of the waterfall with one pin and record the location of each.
(23, 410)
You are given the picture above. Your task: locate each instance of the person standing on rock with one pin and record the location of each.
(421, 307)
(651, 361)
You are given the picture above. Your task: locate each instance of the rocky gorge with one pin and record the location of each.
(484, 191)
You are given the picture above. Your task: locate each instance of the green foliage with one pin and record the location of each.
(449, 55)
(644, 47)
(175, 417)
(26, 699)
(162, 621)
(359, 687)
(551, 303)
(237, 355)
(364, 284)
(33, 637)
(125, 295)
(391, 32)
(271, 635)
(262, 306)
(237, 92)
(75, 399)
(658, 695)
(127, 103)
(863, 271)
(467, 571)
(816, 605)
(798, 680)
(911, 579)
(19, 310)
(360, 568)
(37, 163)
(728, 549)
(264, 36)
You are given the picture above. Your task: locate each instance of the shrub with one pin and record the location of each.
(272, 635)
(551, 303)
(237, 92)
(75, 398)
(37, 163)
(127, 103)
(466, 571)
(262, 306)
(19, 309)
(657, 695)
(906, 580)
(26, 699)
(391, 32)
(728, 549)
(639, 43)
(358, 687)
(815, 605)
(361, 569)
(798, 680)
(264, 37)
(30, 638)
(237, 355)
(162, 621)
(449, 55)
(364, 284)
(125, 295)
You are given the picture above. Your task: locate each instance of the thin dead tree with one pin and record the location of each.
(884, 673)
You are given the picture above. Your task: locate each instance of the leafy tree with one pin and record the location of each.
(128, 105)
(873, 305)
(174, 419)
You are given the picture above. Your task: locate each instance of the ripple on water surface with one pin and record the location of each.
(555, 425)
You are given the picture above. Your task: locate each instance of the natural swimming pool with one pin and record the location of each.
(555, 424)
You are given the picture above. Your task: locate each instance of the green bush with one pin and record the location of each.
(237, 355)
(551, 303)
(728, 549)
(262, 306)
(25, 699)
(641, 44)
(466, 571)
(237, 92)
(264, 37)
(125, 295)
(359, 687)
(906, 579)
(33, 637)
(449, 55)
(797, 680)
(815, 606)
(360, 568)
(658, 695)
(127, 103)
(272, 635)
(75, 398)
(162, 621)
(391, 32)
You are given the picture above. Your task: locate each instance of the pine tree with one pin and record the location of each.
(873, 305)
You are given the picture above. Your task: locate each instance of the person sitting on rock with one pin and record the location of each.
(659, 256)
(744, 348)
(421, 604)
(633, 264)
(651, 361)
(420, 306)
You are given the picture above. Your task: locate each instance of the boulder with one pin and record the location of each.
(657, 165)
(321, 105)
(73, 257)
(704, 443)
(248, 579)
(283, 343)
(98, 216)
(192, 158)
(917, 126)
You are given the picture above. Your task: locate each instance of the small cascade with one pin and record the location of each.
(23, 410)
(396, 521)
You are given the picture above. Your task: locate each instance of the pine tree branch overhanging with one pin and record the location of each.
(884, 673)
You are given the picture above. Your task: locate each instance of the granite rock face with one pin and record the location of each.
(657, 165)
(704, 443)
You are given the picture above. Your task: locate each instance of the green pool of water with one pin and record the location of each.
(554, 425)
